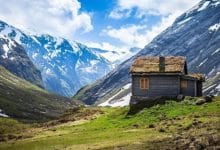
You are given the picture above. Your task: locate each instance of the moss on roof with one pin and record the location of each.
(197, 76)
(171, 64)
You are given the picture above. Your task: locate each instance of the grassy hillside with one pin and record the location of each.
(25, 101)
(173, 125)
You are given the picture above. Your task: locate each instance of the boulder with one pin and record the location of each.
(208, 98)
(200, 101)
(180, 97)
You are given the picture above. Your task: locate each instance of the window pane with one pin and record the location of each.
(144, 83)
(183, 83)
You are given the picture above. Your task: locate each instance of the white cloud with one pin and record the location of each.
(56, 17)
(155, 7)
(131, 35)
(106, 46)
(119, 13)
(115, 53)
(140, 35)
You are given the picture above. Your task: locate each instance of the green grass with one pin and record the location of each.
(11, 126)
(109, 128)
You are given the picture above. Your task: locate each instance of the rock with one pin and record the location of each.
(200, 101)
(196, 116)
(161, 130)
(151, 126)
(135, 125)
(180, 97)
(208, 98)
(195, 123)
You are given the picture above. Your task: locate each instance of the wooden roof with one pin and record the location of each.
(196, 76)
(171, 64)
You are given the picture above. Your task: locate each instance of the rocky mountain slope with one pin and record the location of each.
(65, 66)
(15, 59)
(22, 100)
(195, 35)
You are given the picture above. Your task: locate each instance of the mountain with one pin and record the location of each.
(117, 57)
(15, 59)
(195, 35)
(65, 66)
(22, 100)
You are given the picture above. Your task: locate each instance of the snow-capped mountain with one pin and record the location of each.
(65, 66)
(14, 58)
(195, 35)
(117, 57)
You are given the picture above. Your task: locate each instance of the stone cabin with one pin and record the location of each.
(154, 77)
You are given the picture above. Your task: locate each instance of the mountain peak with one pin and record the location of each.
(65, 65)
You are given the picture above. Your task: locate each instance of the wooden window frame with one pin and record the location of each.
(144, 83)
(184, 84)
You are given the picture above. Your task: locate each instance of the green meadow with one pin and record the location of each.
(172, 125)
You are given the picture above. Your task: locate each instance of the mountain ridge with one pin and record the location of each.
(65, 65)
(15, 59)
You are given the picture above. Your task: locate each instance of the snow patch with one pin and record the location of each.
(203, 62)
(210, 87)
(12, 58)
(64, 84)
(6, 51)
(3, 36)
(218, 88)
(214, 27)
(6, 31)
(17, 38)
(216, 51)
(49, 72)
(94, 62)
(111, 56)
(127, 86)
(34, 56)
(204, 6)
(2, 114)
(216, 3)
(212, 71)
(54, 53)
(124, 101)
(35, 39)
(184, 21)
(89, 69)
(59, 41)
(75, 47)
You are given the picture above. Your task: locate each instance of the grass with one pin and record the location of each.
(27, 102)
(112, 128)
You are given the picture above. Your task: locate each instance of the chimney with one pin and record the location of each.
(162, 64)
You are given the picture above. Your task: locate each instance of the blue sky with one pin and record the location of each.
(100, 10)
(107, 24)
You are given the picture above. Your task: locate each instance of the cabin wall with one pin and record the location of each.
(160, 85)
(191, 89)
(199, 88)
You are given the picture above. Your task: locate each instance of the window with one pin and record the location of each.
(183, 83)
(144, 83)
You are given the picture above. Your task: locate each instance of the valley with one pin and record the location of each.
(61, 93)
(173, 125)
